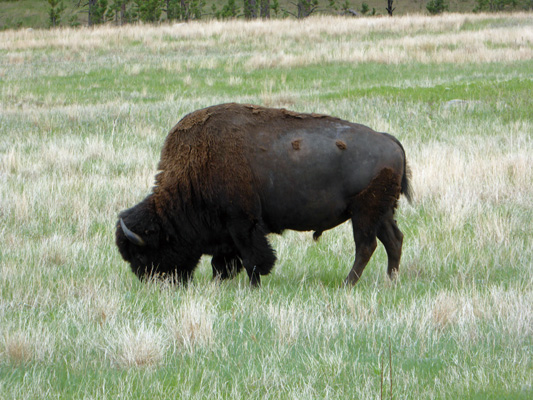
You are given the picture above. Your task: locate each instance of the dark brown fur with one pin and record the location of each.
(380, 196)
(229, 175)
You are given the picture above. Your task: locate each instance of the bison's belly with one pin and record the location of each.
(304, 214)
(303, 201)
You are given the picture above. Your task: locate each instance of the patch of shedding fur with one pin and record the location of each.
(296, 144)
(340, 144)
(382, 194)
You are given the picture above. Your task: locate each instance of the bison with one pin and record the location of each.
(232, 173)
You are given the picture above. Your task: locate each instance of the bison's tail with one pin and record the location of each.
(407, 189)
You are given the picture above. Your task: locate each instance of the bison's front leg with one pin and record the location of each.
(255, 278)
(225, 266)
(257, 255)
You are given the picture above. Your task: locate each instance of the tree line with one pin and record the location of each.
(122, 12)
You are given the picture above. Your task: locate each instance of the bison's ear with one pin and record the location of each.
(132, 236)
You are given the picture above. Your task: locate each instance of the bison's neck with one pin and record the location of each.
(190, 220)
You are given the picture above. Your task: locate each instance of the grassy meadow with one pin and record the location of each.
(83, 116)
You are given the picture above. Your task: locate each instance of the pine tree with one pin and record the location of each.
(56, 9)
(264, 8)
(437, 6)
(148, 10)
(229, 10)
(250, 9)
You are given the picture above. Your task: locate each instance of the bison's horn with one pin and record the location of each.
(132, 237)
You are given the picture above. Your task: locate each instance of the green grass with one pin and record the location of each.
(82, 123)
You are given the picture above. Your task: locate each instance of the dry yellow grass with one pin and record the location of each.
(138, 346)
(279, 43)
(192, 325)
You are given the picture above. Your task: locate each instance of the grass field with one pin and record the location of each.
(83, 116)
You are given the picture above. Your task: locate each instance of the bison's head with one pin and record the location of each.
(152, 250)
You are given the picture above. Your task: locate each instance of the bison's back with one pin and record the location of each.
(301, 171)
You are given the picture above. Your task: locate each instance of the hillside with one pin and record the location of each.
(34, 13)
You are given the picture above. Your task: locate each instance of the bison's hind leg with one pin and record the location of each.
(365, 244)
(372, 215)
(257, 255)
(392, 238)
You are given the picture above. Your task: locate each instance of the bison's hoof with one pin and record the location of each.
(393, 275)
(351, 279)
